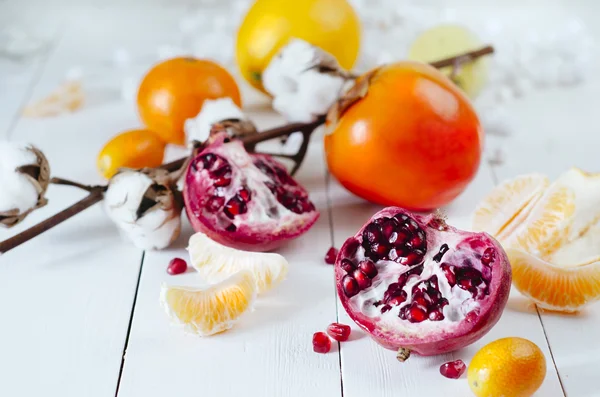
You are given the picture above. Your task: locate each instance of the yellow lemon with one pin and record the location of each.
(508, 367)
(331, 25)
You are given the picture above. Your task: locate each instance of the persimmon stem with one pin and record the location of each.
(96, 193)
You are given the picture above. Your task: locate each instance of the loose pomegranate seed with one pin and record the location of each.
(368, 268)
(347, 265)
(350, 286)
(339, 332)
(177, 266)
(321, 342)
(331, 255)
(453, 369)
(362, 279)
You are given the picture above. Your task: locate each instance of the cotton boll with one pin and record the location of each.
(212, 112)
(145, 206)
(24, 178)
(304, 81)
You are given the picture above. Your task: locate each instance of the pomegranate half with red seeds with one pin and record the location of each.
(246, 201)
(416, 284)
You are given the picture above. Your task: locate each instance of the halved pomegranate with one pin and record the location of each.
(416, 284)
(242, 200)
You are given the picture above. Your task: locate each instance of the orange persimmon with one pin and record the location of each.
(404, 135)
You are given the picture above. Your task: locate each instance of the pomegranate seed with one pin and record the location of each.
(379, 249)
(331, 255)
(401, 218)
(416, 242)
(471, 316)
(372, 234)
(350, 286)
(443, 249)
(398, 299)
(368, 268)
(449, 273)
(321, 342)
(387, 228)
(177, 266)
(412, 226)
(362, 279)
(453, 369)
(416, 314)
(339, 332)
(412, 258)
(231, 228)
(402, 237)
(488, 256)
(208, 160)
(385, 308)
(347, 265)
(393, 238)
(214, 203)
(436, 315)
(244, 194)
(235, 206)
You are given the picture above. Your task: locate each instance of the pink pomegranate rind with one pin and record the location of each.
(415, 283)
(246, 201)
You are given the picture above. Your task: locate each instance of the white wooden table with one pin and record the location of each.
(79, 311)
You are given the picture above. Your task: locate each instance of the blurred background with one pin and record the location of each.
(541, 45)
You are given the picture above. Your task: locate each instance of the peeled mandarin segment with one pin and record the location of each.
(207, 311)
(213, 261)
(586, 187)
(546, 227)
(506, 204)
(583, 250)
(553, 287)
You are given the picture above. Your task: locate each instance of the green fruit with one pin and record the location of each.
(445, 41)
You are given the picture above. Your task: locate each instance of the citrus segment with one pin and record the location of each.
(546, 227)
(210, 310)
(554, 287)
(586, 187)
(506, 203)
(214, 261)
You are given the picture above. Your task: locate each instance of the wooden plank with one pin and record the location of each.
(274, 341)
(66, 296)
(550, 140)
(369, 369)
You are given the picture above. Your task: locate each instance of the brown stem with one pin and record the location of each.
(95, 196)
(66, 182)
(250, 141)
(463, 57)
